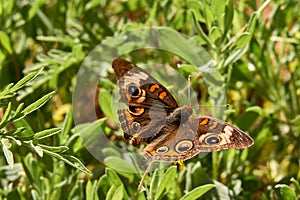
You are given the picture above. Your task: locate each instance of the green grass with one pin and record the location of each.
(45, 142)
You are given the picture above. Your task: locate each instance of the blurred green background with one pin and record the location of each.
(254, 44)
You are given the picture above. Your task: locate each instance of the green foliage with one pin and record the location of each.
(14, 135)
(253, 44)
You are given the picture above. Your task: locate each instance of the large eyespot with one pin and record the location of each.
(184, 146)
(212, 139)
(162, 150)
(136, 110)
(133, 90)
(135, 126)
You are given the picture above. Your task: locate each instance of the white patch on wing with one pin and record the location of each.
(228, 130)
(134, 78)
(137, 76)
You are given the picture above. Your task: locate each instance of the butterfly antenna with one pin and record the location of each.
(143, 179)
(189, 90)
(223, 105)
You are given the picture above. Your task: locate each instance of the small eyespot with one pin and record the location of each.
(184, 146)
(135, 126)
(133, 90)
(212, 139)
(162, 150)
(136, 110)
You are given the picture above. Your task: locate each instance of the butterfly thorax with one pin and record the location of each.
(180, 115)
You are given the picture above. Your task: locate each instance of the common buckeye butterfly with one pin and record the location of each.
(171, 133)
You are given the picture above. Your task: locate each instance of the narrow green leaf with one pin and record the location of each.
(105, 103)
(35, 194)
(286, 192)
(242, 41)
(6, 115)
(115, 181)
(244, 155)
(235, 55)
(187, 69)
(37, 104)
(18, 115)
(179, 19)
(296, 184)
(252, 23)
(37, 149)
(167, 179)
(67, 125)
(187, 176)
(218, 8)
(7, 153)
(54, 39)
(197, 192)
(209, 16)
(71, 160)
(15, 131)
(119, 193)
(7, 95)
(215, 34)
(103, 185)
(153, 14)
(110, 193)
(154, 183)
(200, 31)
(34, 9)
(77, 191)
(95, 191)
(18, 142)
(76, 143)
(25, 80)
(228, 18)
(6, 92)
(32, 170)
(46, 21)
(107, 84)
(119, 164)
(113, 178)
(21, 123)
(5, 42)
(46, 133)
(89, 191)
(256, 109)
(55, 149)
(42, 80)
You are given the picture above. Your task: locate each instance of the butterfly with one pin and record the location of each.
(171, 133)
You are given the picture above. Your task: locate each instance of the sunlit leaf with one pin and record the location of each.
(5, 42)
(6, 115)
(167, 179)
(197, 192)
(37, 104)
(286, 192)
(46, 133)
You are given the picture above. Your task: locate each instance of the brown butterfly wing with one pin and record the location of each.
(197, 134)
(215, 135)
(149, 103)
